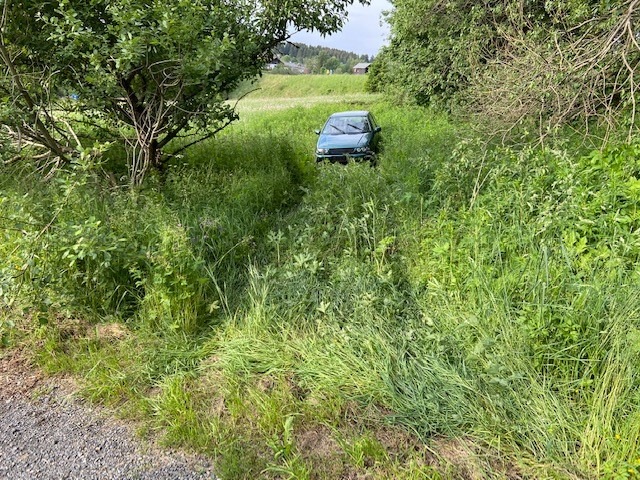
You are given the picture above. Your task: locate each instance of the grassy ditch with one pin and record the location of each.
(455, 312)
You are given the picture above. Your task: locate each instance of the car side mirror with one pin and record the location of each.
(377, 129)
(317, 132)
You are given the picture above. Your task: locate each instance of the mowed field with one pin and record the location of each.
(460, 311)
(283, 92)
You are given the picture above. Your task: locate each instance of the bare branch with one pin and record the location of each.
(589, 74)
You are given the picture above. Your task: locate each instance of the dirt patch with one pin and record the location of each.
(318, 442)
(20, 377)
(470, 460)
(266, 384)
(318, 448)
(400, 445)
(111, 332)
(17, 376)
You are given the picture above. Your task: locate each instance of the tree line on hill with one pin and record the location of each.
(317, 59)
(517, 61)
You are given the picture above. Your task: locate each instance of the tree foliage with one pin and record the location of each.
(559, 61)
(147, 70)
(436, 46)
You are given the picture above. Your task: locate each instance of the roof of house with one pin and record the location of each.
(362, 65)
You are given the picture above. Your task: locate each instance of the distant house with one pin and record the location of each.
(361, 68)
(273, 63)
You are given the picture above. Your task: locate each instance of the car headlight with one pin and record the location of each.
(322, 151)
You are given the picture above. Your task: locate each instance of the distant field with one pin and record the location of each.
(295, 86)
(279, 92)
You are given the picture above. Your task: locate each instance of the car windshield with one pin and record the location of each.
(346, 125)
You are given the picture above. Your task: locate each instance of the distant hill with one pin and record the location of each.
(317, 59)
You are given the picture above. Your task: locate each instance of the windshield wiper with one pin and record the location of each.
(341, 131)
(356, 127)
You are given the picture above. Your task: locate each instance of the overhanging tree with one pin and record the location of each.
(153, 70)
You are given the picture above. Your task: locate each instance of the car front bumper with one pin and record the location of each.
(344, 158)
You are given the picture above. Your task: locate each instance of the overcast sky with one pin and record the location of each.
(361, 34)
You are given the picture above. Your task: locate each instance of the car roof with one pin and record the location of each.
(354, 113)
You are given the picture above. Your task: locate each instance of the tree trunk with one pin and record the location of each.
(145, 156)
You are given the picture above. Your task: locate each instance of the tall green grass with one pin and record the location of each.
(322, 321)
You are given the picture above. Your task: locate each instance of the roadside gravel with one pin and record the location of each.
(47, 434)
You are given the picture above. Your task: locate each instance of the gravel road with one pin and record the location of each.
(47, 434)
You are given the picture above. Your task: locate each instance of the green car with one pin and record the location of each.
(349, 135)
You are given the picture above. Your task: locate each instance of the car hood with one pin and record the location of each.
(344, 141)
